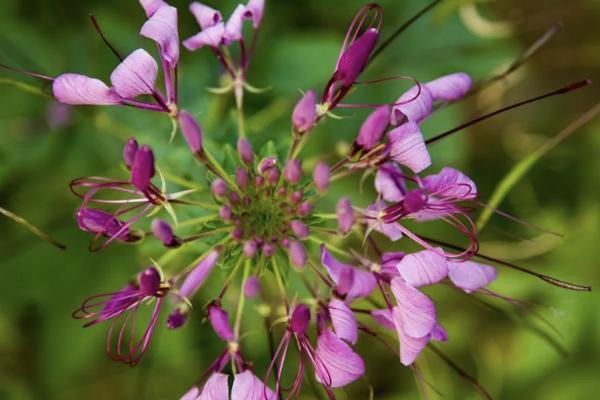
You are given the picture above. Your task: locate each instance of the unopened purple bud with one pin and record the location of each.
(234, 198)
(237, 234)
(250, 248)
(268, 249)
(176, 319)
(252, 287)
(129, 151)
(242, 177)
(196, 278)
(259, 181)
(266, 164)
(374, 127)
(285, 242)
(299, 228)
(219, 319)
(305, 112)
(225, 213)
(293, 172)
(98, 221)
(345, 215)
(163, 232)
(415, 201)
(355, 58)
(273, 175)
(296, 197)
(297, 254)
(321, 176)
(191, 131)
(305, 209)
(300, 319)
(245, 151)
(149, 281)
(142, 169)
(219, 187)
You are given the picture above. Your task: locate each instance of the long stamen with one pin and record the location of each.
(104, 39)
(28, 73)
(563, 90)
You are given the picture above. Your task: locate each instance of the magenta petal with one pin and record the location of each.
(151, 6)
(450, 182)
(410, 347)
(415, 310)
(413, 109)
(408, 147)
(321, 176)
(470, 276)
(354, 59)
(256, 8)
(212, 36)
(438, 333)
(198, 275)
(216, 388)
(423, 268)
(219, 319)
(375, 221)
(389, 182)
(205, 15)
(343, 320)
(297, 254)
(384, 318)
(305, 112)
(374, 127)
(246, 386)
(337, 365)
(78, 89)
(345, 215)
(143, 169)
(162, 28)
(235, 24)
(362, 282)
(136, 75)
(450, 87)
(191, 130)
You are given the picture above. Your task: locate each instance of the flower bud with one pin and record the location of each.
(245, 151)
(242, 177)
(293, 172)
(300, 319)
(297, 254)
(142, 169)
(305, 209)
(266, 164)
(250, 249)
(129, 151)
(219, 319)
(149, 281)
(305, 113)
(321, 176)
(176, 319)
(345, 215)
(196, 278)
(273, 175)
(374, 127)
(268, 249)
(163, 232)
(355, 58)
(219, 187)
(191, 131)
(299, 228)
(252, 287)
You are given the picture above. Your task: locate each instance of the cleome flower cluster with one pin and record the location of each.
(261, 217)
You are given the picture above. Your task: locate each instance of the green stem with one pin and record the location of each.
(241, 300)
(280, 284)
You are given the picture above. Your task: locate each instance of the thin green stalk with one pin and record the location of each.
(241, 300)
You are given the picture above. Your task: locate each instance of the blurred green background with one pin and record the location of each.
(44, 354)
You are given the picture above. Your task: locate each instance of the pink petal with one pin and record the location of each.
(205, 15)
(151, 6)
(415, 310)
(413, 111)
(439, 333)
(191, 394)
(384, 318)
(423, 268)
(343, 320)
(235, 24)
(389, 182)
(408, 147)
(162, 28)
(470, 276)
(246, 386)
(256, 9)
(450, 182)
(337, 365)
(212, 37)
(216, 388)
(362, 283)
(410, 347)
(136, 75)
(196, 278)
(450, 87)
(375, 222)
(81, 90)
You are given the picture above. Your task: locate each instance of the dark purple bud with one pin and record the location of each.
(219, 187)
(176, 319)
(149, 280)
(268, 250)
(305, 209)
(250, 249)
(273, 175)
(234, 198)
(225, 213)
(415, 201)
(296, 197)
(374, 127)
(97, 221)
(219, 319)
(321, 176)
(196, 278)
(237, 234)
(300, 319)
(242, 177)
(285, 242)
(345, 215)
(245, 151)
(142, 169)
(305, 113)
(191, 131)
(259, 181)
(266, 164)
(129, 151)
(299, 228)
(252, 287)
(293, 172)
(163, 232)
(354, 60)
(297, 254)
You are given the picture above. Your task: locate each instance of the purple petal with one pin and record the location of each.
(343, 320)
(375, 221)
(246, 386)
(245, 151)
(163, 231)
(439, 333)
(321, 176)
(216, 388)
(162, 28)
(450, 87)
(408, 147)
(78, 89)
(470, 276)
(362, 282)
(450, 182)
(423, 268)
(191, 131)
(198, 275)
(292, 171)
(410, 347)
(389, 261)
(345, 215)
(297, 254)
(129, 151)
(415, 310)
(384, 318)
(299, 228)
(98, 221)
(235, 24)
(256, 8)
(191, 394)
(354, 59)
(413, 109)
(374, 127)
(219, 319)
(252, 287)
(337, 365)
(305, 112)
(205, 15)
(300, 318)
(142, 169)
(151, 6)
(389, 182)
(136, 75)
(212, 36)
